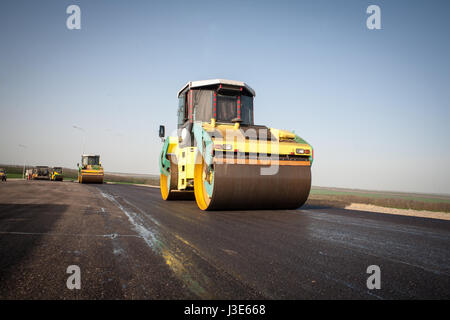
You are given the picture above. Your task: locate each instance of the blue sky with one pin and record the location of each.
(375, 104)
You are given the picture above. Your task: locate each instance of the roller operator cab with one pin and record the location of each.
(90, 170)
(221, 158)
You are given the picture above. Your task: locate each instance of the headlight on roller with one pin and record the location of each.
(223, 146)
(302, 151)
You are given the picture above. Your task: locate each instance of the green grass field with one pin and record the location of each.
(381, 195)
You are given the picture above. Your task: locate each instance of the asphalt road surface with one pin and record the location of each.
(130, 244)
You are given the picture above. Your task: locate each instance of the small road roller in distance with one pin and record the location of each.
(220, 157)
(56, 174)
(41, 173)
(90, 170)
(3, 175)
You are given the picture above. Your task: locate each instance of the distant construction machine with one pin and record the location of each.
(90, 170)
(56, 174)
(40, 173)
(226, 161)
(3, 175)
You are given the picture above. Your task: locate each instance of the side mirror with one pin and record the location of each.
(162, 132)
(78, 165)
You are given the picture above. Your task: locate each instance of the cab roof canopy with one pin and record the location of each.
(216, 82)
(90, 155)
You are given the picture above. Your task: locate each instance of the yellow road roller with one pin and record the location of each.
(220, 157)
(90, 170)
(56, 174)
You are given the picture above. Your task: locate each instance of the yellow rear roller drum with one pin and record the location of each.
(169, 184)
(163, 180)
(201, 196)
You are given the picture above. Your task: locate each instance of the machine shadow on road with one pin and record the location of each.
(22, 227)
(314, 206)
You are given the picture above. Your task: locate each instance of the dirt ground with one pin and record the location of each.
(404, 212)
